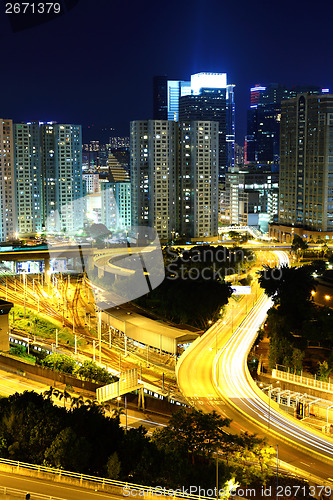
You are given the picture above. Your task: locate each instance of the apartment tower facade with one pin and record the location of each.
(306, 167)
(174, 176)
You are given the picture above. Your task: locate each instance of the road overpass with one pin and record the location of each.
(213, 375)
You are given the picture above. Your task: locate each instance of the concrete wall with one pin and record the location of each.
(4, 334)
(50, 375)
(5, 307)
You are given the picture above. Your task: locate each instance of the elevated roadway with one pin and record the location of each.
(213, 375)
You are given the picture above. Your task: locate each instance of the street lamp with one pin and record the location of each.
(329, 407)
(24, 290)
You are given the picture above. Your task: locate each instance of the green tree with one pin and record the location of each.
(194, 432)
(290, 289)
(59, 362)
(323, 371)
(113, 466)
(253, 458)
(29, 422)
(91, 371)
(68, 451)
(299, 245)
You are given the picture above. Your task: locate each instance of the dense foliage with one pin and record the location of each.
(88, 370)
(194, 291)
(295, 318)
(84, 439)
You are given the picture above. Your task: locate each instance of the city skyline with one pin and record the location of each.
(96, 66)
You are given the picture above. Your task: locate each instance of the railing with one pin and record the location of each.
(21, 494)
(59, 474)
(305, 381)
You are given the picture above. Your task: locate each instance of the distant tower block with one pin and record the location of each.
(5, 307)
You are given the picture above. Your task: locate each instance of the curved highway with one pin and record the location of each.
(213, 375)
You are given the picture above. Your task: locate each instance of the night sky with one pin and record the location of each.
(94, 65)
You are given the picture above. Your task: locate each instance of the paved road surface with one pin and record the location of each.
(60, 490)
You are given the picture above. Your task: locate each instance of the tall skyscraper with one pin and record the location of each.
(41, 178)
(154, 175)
(306, 166)
(263, 123)
(28, 178)
(174, 176)
(175, 90)
(48, 177)
(68, 193)
(8, 221)
(198, 189)
(213, 104)
(262, 142)
(207, 97)
(160, 98)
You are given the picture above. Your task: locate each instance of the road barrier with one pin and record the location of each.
(92, 482)
(300, 380)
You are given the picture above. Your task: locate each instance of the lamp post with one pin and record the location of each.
(24, 288)
(270, 388)
(29, 333)
(125, 413)
(100, 334)
(277, 470)
(327, 412)
(217, 476)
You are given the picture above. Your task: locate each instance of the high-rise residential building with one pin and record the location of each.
(154, 175)
(8, 225)
(92, 182)
(198, 189)
(306, 167)
(41, 178)
(61, 157)
(28, 178)
(69, 192)
(174, 176)
(116, 205)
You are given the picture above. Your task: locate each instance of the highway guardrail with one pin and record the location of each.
(60, 474)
